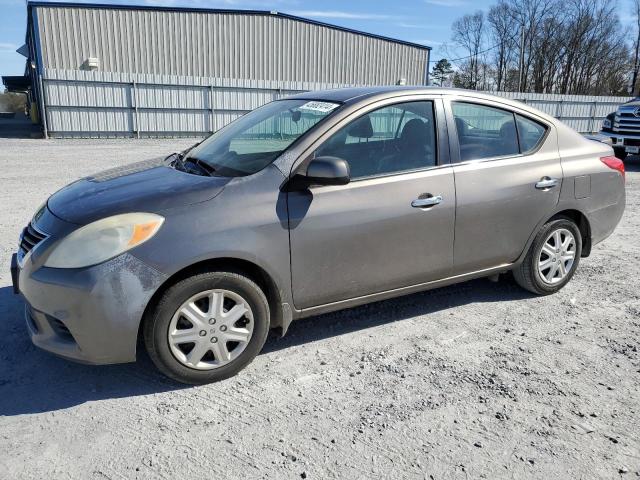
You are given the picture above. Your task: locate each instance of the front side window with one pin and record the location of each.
(484, 132)
(392, 139)
(256, 139)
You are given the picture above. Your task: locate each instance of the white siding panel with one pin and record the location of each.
(89, 122)
(90, 104)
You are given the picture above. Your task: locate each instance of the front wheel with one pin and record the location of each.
(207, 327)
(552, 258)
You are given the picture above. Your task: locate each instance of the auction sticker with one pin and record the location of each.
(323, 107)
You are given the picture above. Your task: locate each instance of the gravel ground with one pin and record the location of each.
(478, 380)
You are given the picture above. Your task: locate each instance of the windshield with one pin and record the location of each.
(256, 139)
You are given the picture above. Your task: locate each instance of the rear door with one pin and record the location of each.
(386, 229)
(508, 178)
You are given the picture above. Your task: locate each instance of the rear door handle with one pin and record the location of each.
(546, 182)
(426, 202)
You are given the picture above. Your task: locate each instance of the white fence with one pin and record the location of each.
(583, 113)
(103, 104)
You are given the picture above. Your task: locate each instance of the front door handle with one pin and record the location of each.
(426, 202)
(547, 182)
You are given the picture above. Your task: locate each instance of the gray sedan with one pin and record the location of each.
(314, 203)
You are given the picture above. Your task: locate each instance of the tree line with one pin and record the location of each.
(546, 46)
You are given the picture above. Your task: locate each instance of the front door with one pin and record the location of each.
(391, 227)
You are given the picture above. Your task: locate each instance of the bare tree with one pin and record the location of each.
(528, 16)
(593, 44)
(502, 35)
(468, 33)
(635, 88)
(550, 46)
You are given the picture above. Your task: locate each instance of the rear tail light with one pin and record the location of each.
(614, 163)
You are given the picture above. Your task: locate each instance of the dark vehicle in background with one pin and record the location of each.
(623, 128)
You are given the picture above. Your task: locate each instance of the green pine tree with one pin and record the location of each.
(441, 72)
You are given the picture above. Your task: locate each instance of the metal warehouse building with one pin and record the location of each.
(104, 70)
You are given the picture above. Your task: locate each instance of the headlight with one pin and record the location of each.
(606, 123)
(104, 239)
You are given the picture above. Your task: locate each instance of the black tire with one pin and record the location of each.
(620, 153)
(526, 274)
(156, 325)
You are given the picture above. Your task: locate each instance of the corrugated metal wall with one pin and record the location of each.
(221, 45)
(101, 104)
(583, 113)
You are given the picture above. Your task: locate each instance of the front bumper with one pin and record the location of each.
(90, 315)
(631, 143)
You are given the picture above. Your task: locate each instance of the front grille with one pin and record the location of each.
(632, 142)
(30, 238)
(626, 121)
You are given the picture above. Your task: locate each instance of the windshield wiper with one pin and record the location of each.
(187, 165)
(188, 149)
(177, 162)
(204, 166)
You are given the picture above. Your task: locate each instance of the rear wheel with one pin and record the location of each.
(621, 153)
(552, 258)
(207, 327)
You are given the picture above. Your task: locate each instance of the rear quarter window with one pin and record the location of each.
(530, 133)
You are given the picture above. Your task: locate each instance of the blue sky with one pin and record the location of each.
(427, 22)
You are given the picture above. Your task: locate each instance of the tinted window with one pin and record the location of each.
(530, 133)
(484, 132)
(392, 139)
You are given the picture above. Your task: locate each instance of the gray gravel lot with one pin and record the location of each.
(478, 380)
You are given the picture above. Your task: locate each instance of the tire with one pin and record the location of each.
(214, 291)
(621, 153)
(544, 281)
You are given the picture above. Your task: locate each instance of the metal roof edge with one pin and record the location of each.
(39, 3)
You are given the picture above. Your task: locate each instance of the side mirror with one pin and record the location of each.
(328, 171)
(322, 171)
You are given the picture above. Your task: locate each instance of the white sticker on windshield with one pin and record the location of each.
(324, 107)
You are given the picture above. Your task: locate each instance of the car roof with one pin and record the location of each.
(345, 95)
(357, 94)
(353, 95)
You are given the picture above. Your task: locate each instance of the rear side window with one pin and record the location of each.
(530, 133)
(484, 132)
(488, 132)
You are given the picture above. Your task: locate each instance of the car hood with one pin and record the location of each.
(149, 186)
